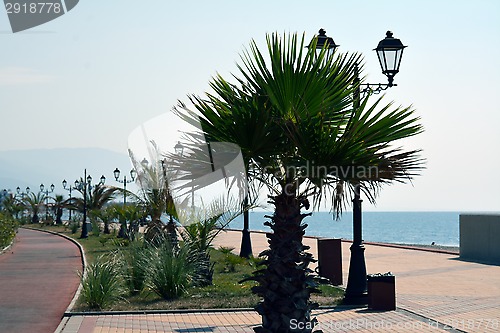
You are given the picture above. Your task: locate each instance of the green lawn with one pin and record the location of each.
(225, 292)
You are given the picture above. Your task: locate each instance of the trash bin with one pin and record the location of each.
(382, 291)
(330, 259)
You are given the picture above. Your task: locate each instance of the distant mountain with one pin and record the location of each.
(51, 166)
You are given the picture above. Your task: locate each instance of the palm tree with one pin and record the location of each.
(294, 118)
(59, 205)
(33, 201)
(130, 215)
(97, 198)
(12, 206)
(156, 197)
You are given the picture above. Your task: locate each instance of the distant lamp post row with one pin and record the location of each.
(85, 186)
(46, 192)
(125, 181)
(389, 51)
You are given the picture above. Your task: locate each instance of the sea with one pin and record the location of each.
(423, 228)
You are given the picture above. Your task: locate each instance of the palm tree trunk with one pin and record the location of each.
(286, 283)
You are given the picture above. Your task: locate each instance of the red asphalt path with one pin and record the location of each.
(38, 279)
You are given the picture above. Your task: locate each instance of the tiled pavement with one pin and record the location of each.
(435, 293)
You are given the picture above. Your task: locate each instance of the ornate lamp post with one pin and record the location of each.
(389, 52)
(70, 189)
(133, 174)
(21, 199)
(86, 185)
(46, 192)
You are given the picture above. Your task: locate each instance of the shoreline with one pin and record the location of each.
(446, 249)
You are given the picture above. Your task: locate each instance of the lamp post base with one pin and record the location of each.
(356, 291)
(246, 244)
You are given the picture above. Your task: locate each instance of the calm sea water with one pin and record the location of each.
(442, 228)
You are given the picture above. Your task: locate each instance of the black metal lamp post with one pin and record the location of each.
(84, 186)
(21, 195)
(46, 192)
(389, 52)
(70, 189)
(125, 181)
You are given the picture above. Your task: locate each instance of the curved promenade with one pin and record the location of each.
(38, 278)
(436, 292)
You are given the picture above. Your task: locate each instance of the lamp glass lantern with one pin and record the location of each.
(102, 180)
(133, 174)
(116, 173)
(390, 52)
(323, 41)
(179, 148)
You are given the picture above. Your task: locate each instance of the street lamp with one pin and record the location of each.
(21, 195)
(46, 192)
(70, 189)
(389, 52)
(133, 174)
(86, 185)
(179, 148)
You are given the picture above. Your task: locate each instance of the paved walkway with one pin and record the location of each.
(435, 293)
(38, 278)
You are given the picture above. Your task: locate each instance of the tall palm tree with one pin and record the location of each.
(293, 116)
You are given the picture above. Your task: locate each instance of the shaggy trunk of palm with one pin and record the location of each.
(286, 283)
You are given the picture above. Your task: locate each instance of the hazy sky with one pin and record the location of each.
(88, 78)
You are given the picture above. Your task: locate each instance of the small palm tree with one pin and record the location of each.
(96, 199)
(156, 197)
(294, 117)
(12, 206)
(58, 206)
(34, 201)
(129, 217)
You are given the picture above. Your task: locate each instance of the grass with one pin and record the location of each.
(225, 292)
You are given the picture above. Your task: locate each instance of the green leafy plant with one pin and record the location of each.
(135, 263)
(74, 227)
(171, 271)
(8, 227)
(102, 284)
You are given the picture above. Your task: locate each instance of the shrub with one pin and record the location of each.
(96, 230)
(8, 227)
(170, 272)
(135, 264)
(102, 285)
(74, 227)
